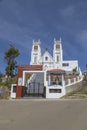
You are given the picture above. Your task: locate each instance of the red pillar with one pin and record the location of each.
(19, 88)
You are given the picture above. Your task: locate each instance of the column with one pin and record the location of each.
(49, 79)
(63, 80)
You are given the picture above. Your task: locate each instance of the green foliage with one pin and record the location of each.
(74, 70)
(8, 82)
(6, 86)
(10, 56)
(6, 92)
(0, 76)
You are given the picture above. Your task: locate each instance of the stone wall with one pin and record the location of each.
(73, 87)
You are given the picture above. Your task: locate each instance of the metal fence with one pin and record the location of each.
(34, 89)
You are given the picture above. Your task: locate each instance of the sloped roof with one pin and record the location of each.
(56, 71)
(46, 53)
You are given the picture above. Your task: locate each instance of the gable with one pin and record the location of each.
(46, 57)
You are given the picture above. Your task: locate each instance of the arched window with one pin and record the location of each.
(57, 47)
(46, 58)
(35, 48)
(57, 58)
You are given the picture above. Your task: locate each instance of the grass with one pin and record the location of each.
(80, 93)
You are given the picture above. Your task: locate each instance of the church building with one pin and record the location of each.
(51, 61)
(47, 75)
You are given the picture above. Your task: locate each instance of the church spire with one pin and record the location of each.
(36, 52)
(60, 39)
(57, 52)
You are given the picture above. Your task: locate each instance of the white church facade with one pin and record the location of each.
(51, 61)
(47, 75)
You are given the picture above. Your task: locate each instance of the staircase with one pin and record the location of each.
(36, 83)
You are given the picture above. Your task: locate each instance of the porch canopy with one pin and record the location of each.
(56, 71)
(56, 77)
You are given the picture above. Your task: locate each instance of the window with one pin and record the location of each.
(57, 58)
(57, 47)
(54, 90)
(35, 48)
(65, 64)
(46, 58)
(14, 89)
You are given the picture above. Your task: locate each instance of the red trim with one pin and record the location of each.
(22, 68)
(31, 67)
(19, 91)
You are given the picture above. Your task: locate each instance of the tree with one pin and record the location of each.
(1, 76)
(86, 66)
(10, 56)
(74, 70)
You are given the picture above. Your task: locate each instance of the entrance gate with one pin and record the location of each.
(34, 90)
(34, 85)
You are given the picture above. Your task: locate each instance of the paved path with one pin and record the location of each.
(43, 115)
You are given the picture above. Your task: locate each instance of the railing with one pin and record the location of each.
(73, 80)
(67, 82)
(55, 83)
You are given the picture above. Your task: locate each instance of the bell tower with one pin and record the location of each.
(36, 52)
(57, 51)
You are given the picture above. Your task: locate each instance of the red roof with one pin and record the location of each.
(55, 71)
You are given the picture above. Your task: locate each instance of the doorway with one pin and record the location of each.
(34, 85)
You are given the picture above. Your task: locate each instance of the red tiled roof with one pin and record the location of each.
(59, 71)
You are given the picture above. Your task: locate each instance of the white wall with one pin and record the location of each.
(72, 64)
(13, 94)
(55, 95)
(50, 63)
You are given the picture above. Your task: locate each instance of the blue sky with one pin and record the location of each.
(21, 21)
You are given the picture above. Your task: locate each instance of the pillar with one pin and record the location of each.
(63, 80)
(49, 79)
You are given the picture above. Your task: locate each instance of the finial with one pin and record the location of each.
(33, 41)
(60, 39)
(39, 40)
(54, 39)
